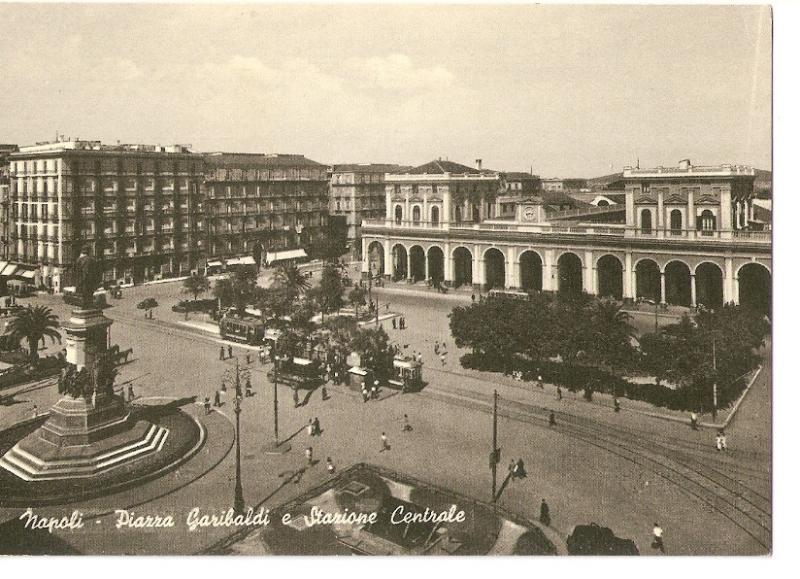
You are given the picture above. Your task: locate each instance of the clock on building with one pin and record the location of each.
(529, 214)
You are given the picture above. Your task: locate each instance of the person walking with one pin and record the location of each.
(374, 390)
(310, 427)
(443, 358)
(616, 404)
(364, 393)
(519, 469)
(310, 456)
(207, 405)
(247, 358)
(217, 400)
(544, 513)
(130, 393)
(94, 398)
(324, 392)
(693, 420)
(394, 323)
(559, 394)
(222, 352)
(329, 466)
(384, 443)
(539, 382)
(295, 398)
(512, 469)
(317, 429)
(248, 388)
(658, 538)
(551, 419)
(230, 351)
(721, 442)
(35, 411)
(406, 424)
(436, 347)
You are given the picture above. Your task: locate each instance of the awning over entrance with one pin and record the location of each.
(3, 265)
(273, 257)
(214, 264)
(29, 274)
(9, 269)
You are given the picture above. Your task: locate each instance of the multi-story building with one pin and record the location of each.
(5, 153)
(357, 193)
(684, 236)
(138, 208)
(557, 184)
(259, 204)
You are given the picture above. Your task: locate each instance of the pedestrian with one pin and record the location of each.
(658, 538)
(224, 386)
(247, 358)
(519, 469)
(406, 424)
(364, 393)
(230, 351)
(443, 358)
(248, 389)
(385, 442)
(693, 420)
(324, 392)
(217, 400)
(436, 347)
(35, 411)
(222, 352)
(473, 298)
(512, 469)
(317, 429)
(558, 392)
(616, 404)
(374, 391)
(94, 398)
(544, 513)
(329, 466)
(539, 382)
(130, 393)
(394, 323)
(207, 405)
(295, 397)
(310, 456)
(310, 427)
(552, 418)
(721, 442)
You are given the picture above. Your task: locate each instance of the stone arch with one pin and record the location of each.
(400, 261)
(530, 270)
(708, 283)
(755, 287)
(416, 263)
(678, 283)
(494, 262)
(570, 274)
(462, 266)
(375, 257)
(609, 276)
(648, 279)
(436, 264)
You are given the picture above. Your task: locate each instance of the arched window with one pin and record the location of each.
(398, 214)
(435, 215)
(476, 213)
(602, 203)
(647, 222)
(415, 213)
(676, 221)
(458, 213)
(708, 222)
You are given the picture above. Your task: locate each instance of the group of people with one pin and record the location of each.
(399, 323)
(440, 351)
(371, 392)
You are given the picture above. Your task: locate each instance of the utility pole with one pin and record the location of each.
(495, 456)
(714, 363)
(238, 494)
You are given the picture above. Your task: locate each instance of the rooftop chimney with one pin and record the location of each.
(478, 163)
(684, 163)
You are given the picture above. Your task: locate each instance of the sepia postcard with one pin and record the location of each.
(385, 279)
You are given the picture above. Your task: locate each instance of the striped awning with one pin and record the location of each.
(283, 255)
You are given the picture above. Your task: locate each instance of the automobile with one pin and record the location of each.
(592, 539)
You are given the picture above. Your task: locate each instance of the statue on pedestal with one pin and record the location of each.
(87, 278)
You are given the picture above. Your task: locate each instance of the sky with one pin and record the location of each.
(569, 91)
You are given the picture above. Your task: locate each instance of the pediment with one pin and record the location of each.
(676, 198)
(706, 200)
(646, 199)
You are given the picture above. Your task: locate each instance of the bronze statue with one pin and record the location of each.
(87, 278)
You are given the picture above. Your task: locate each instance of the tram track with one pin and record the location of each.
(744, 507)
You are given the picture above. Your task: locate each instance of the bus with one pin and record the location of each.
(246, 330)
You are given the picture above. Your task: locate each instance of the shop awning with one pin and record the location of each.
(284, 255)
(9, 269)
(3, 265)
(232, 261)
(214, 264)
(28, 274)
(247, 260)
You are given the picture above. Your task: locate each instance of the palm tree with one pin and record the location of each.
(614, 332)
(34, 323)
(292, 279)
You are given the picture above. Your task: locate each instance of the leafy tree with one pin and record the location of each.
(331, 290)
(237, 290)
(195, 285)
(613, 332)
(357, 297)
(34, 323)
(376, 352)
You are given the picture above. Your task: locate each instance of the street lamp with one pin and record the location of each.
(238, 493)
(277, 447)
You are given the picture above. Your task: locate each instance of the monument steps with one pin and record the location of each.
(31, 468)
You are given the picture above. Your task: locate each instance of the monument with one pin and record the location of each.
(90, 430)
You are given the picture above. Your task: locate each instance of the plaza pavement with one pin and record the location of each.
(449, 445)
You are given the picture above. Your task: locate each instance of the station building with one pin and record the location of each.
(685, 235)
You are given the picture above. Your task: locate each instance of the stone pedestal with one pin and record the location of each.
(88, 435)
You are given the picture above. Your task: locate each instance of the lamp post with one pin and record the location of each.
(238, 494)
(276, 447)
